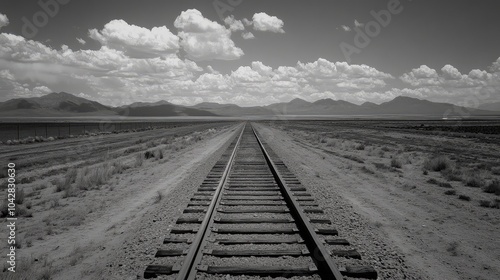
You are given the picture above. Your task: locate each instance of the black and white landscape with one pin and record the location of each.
(238, 139)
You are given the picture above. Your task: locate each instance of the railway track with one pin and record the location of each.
(251, 217)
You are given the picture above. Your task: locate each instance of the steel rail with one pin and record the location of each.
(194, 255)
(326, 268)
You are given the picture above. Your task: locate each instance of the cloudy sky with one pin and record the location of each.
(251, 52)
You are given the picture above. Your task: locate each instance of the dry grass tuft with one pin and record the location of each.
(484, 203)
(474, 181)
(450, 192)
(464, 197)
(452, 248)
(437, 163)
(396, 163)
(493, 187)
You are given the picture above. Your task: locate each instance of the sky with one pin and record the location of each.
(251, 52)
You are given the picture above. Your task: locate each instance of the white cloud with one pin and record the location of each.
(81, 41)
(136, 41)
(4, 20)
(203, 39)
(449, 85)
(234, 25)
(247, 35)
(346, 28)
(265, 22)
(247, 22)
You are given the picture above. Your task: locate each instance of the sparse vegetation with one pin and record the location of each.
(437, 163)
(396, 163)
(464, 197)
(149, 154)
(367, 170)
(19, 196)
(493, 187)
(474, 181)
(452, 174)
(139, 160)
(445, 185)
(450, 192)
(484, 203)
(495, 203)
(452, 248)
(360, 147)
(495, 170)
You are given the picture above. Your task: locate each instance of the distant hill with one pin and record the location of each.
(165, 110)
(148, 104)
(54, 104)
(232, 109)
(65, 104)
(495, 106)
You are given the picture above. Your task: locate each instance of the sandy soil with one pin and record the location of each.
(402, 224)
(112, 230)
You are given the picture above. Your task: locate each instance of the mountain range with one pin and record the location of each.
(65, 104)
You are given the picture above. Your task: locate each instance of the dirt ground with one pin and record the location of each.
(82, 232)
(406, 220)
(398, 214)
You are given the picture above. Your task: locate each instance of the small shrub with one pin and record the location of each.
(452, 174)
(495, 204)
(396, 163)
(19, 196)
(437, 163)
(433, 181)
(149, 154)
(139, 160)
(71, 176)
(495, 170)
(484, 203)
(445, 185)
(493, 187)
(159, 154)
(474, 181)
(360, 147)
(330, 143)
(450, 192)
(452, 248)
(367, 170)
(464, 197)
(425, 172)
(354, 158)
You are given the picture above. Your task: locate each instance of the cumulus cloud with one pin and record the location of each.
(136, 41)
(4, 20)
(449, 85)
(358, 24)
(265, 22)
(81, 41)
(234, 25)
(203, 39)
(449, 76)
(346, 28)
(247, 35)
(111, 73)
